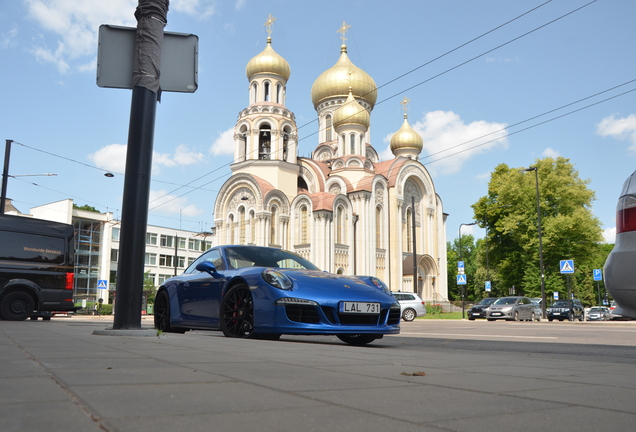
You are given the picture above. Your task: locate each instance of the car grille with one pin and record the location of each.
(302, 314)
(394, 316)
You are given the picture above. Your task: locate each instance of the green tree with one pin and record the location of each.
(86, 207)
(569, 230)
(468, 254)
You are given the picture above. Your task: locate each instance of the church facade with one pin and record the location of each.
(342, 208)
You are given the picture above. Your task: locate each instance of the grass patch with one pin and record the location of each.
(443, 315)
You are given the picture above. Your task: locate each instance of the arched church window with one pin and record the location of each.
(274, 223)
(328, 127)
(340, 225)
(352, 141)
(264, 141)
(302, 184)
(409, 229)
(252, 228)
(378, 227)
(254, 94)
(230, 229)
(303, 225)
(285, 143)
(279, 93)
(266, 92)
(242, 225)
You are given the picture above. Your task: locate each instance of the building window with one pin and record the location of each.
(409, 228)
(328, 126)
(378, 227)
(150, 259)
(166, 260)
(162, 278)
(264, 142)
(190, 260)
(254, 92)
(242, 225)
(167, 241)
(182, 242)
(114, 255)
(352, 141)
(266, 92)
(151, 239)
(303, 225)
(181, 261)
(115, 234)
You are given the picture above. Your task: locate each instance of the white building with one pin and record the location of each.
(343, 208)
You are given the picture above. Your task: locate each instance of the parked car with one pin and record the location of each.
(411, 305)
(478, 310)
(566, 310)
(620, 271)
(598, 313)
(515, 308)
(537, 308)
(260, 292)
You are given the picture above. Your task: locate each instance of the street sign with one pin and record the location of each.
(461, 279)
(488, 286)
(116, 52)
(460, 267)
(556, 295)
(567, 266)
(102, 284)
(598, 274)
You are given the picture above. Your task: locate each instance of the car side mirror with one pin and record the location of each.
(207, 267)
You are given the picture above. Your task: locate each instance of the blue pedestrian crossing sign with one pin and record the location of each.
(567, 266)
(488, 286)
(461, 279)
(102, 284)
(598, 274)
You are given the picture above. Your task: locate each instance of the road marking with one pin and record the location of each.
(473, 336)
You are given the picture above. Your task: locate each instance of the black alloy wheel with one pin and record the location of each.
(359, 339)
(162, 314)
(237, 313)
(16, 306)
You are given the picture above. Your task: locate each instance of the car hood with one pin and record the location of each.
(329, 282)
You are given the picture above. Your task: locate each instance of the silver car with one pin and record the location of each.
(512, 309)
(411, 304)
(598, 313)
(620, 271)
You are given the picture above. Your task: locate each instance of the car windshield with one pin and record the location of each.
(506, 301)
(561, 303)
(597, 309)
(487, 301)
(241, 257)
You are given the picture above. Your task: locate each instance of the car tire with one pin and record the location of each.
(471, 319)
(162, 314)
(409, 314)
(516, 317)
(359, 339)
(570, 317)
(237, 312)
(490, 319)
(533, 317)
(550, 319)
(16, 306)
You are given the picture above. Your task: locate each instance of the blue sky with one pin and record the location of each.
(63, 123)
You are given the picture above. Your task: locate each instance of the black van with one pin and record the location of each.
(36, 267)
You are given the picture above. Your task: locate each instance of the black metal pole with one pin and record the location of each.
(5, 175)
(151, 18)
(176, 253)
(541, 267)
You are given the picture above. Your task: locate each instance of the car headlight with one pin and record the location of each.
(378, 283)
(507, 309)
(277, 279)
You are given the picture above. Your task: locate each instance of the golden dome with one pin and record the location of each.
(268, 61)
(351, 112)
(337, 80)
(406, 138)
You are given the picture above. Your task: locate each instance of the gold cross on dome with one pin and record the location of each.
(343, 30)
(268, 24)
(405, 104)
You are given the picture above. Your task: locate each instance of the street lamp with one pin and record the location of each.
(541, 268)
(486, 221)
(460, 258)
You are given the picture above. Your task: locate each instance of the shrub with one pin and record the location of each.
(434, 308)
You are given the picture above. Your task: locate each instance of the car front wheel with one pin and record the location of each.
(359, 339)
(408, 314)
(16, 306)
(237, 313)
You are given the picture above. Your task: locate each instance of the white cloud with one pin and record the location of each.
(113, 158)
(622, 129)
(551, 153)
(610, 235)
(9, 39)
(224, 144)
(161, 202)
(240, 4)
(198, 8)
(450, 142)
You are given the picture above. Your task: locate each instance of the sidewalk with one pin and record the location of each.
(58, 376)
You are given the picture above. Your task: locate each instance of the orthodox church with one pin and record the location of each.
(343, 208)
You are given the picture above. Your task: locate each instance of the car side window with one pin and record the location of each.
(214, 256)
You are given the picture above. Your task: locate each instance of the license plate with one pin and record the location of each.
(475, 313)
(360, 307)
(556, 313)
(495, 314)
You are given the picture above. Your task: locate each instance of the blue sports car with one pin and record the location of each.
(260, 292)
